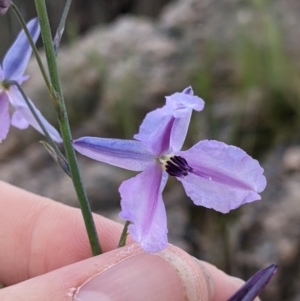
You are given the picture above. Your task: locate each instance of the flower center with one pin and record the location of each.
(176, 166)
(4, 86)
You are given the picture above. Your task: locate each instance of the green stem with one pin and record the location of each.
(65, 128)
(122, 241)
(61, 26)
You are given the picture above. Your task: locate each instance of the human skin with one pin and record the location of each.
(45, 255)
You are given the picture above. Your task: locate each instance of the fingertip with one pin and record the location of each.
(196, 279)
(169, 275)
(224, 285)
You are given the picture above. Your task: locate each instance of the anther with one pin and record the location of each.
(177, 166)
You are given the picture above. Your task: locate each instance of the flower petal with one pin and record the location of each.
(19, 121)
(1, 74)
(250, 290)
(4, 6)
(224, 176)
(23, 112)
(155, 130)
(143, 206)
(179, 131)
(28, 116)
(4, 116)
(164, 130)
(189, 90)
(128, 154)
(182, 101)
(17, 57)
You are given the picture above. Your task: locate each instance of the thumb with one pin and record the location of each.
(121, 275)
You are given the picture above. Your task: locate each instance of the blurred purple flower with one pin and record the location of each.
(12, 69)
(250, 290)
(213, 174)
(4, 6)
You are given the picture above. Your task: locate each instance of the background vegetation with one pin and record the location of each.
(252, 91)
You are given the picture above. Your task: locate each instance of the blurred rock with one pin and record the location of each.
(270, 232)
(291, 159)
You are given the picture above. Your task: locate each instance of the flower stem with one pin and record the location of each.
(65, 127)
(122, 241)
(61, 26)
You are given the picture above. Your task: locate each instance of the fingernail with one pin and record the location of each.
(208, 278)
(164, 276)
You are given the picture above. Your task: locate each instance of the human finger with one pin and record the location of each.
(123, 274)
(38, 235)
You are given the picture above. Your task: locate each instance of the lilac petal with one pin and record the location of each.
(1, 74)
(155, 130)
(19, 121)
(188, 90)
(164, 130)
(179, 131)
(26, 114)
(182, 101)
(17, 57)
(250, 290)
(23, 115)
(128, 154)
(224, 177)
(4, 6)
(4, 116)
(143, 206)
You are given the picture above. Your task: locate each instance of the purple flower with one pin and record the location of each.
(250, 290)
(4, 6)
(12, 69)
(213, 174)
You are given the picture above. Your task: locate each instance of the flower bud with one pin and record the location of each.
(4, 6)
(250, 290)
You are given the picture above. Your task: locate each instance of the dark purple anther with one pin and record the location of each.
(177, 166)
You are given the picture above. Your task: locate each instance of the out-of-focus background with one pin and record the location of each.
(120, 58)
